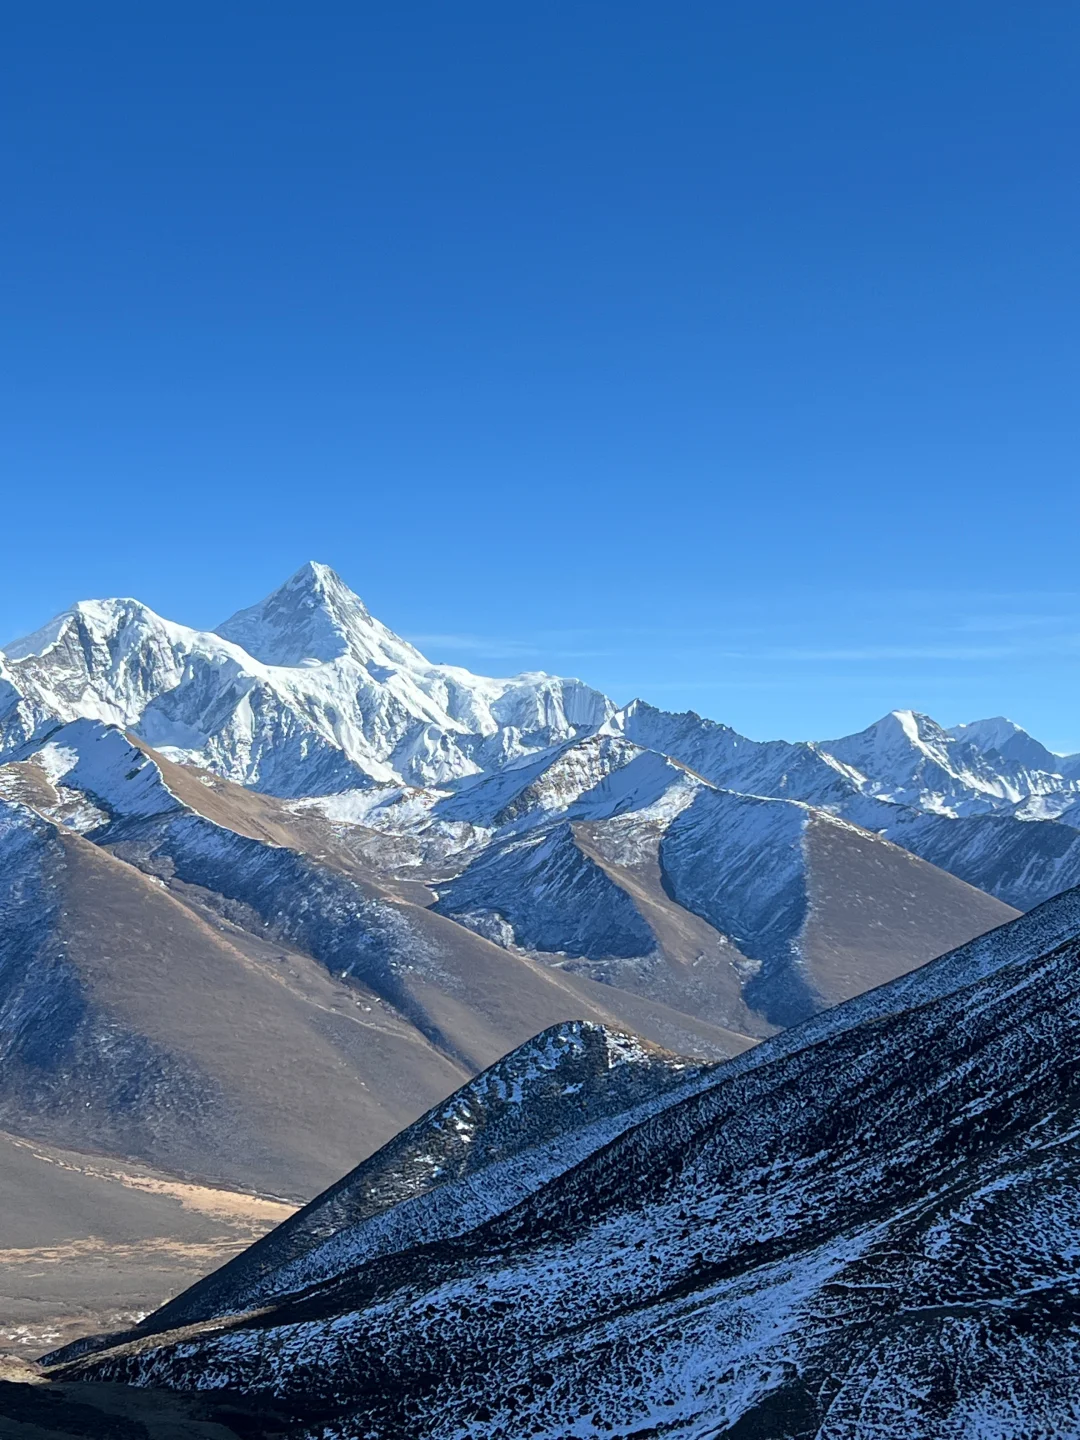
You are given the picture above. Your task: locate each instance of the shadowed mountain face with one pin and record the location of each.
(862, 1228)
(753, 913)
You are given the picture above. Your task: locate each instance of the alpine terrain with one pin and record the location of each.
(864, 1228)
(272, 892)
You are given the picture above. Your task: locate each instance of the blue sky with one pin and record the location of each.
(725, 353)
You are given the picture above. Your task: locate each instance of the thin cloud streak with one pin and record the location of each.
(496, 648)
(864, 654)
(477, 644)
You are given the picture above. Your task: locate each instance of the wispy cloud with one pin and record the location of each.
(1063, 644)
(863, 654)
(491, 645)
(1011, 624)
(567, 645)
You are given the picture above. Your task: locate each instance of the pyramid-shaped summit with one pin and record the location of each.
(314, 616)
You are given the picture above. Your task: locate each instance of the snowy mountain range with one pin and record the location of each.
(307, 697)
(307, 694)
(744, 884)
(663, 854)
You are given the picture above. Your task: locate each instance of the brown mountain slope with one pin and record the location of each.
(255, 1066)
(162, 1028)
(876, 911)
(872, 909)
(750, 935)
(152, 1019)
(364, 854)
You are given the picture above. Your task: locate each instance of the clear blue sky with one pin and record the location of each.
(725, 353)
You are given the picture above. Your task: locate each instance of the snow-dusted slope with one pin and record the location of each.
(1022, 862)
(862, 1229)
(719, 754)
(1004, 820)
(100, 763)
(547, 895)
(826, 909)
(1006, 745)
(569, 779)
(796, 909)
(987, 767)
(569, 1089)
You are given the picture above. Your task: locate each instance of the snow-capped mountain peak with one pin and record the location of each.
(897, 733)
(989, 734)
(315, 618)
(95, 620)
(305, 693)
(1011, 743)
(909, 759)
(106, 660)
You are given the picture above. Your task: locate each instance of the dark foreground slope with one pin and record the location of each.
(557, 1097)
(862, 1229)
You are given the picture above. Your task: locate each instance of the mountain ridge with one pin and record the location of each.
(315, 618)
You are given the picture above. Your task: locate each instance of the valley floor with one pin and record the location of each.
(105, 1242)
